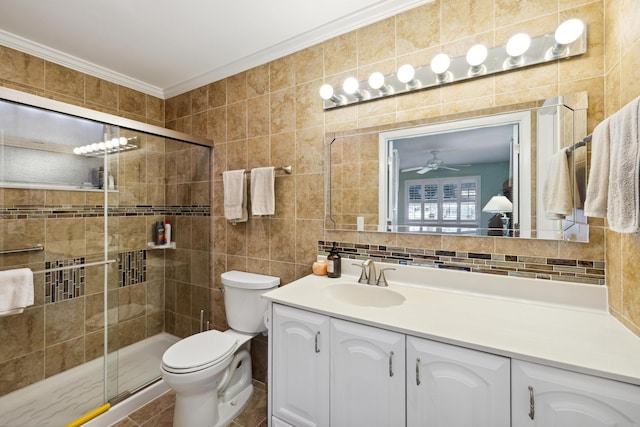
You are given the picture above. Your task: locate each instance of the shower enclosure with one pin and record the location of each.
(80, 193)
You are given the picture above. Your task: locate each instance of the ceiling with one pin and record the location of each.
(475, 146)
(167, 47)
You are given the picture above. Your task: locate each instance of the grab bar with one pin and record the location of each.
(69, 267)
(37, 247)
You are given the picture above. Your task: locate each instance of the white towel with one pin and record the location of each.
(16, 290)
(235, 195)
(263, 201)
(557, 194)
(623, 208)
(596, 201)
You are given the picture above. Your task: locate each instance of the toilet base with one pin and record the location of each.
(199, 414)
(227, 411)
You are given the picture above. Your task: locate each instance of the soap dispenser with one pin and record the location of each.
(334, 263)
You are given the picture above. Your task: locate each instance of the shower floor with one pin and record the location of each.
(65, 397)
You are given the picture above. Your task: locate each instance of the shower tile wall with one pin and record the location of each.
(165, 289)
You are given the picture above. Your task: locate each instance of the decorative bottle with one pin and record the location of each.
(334, 263)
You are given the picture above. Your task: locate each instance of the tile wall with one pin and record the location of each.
(149, 291)
(272, 115)
(621, 62)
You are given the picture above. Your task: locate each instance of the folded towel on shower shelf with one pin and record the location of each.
(597, 197)
(235, 196)
(623, 207)
(16, 291)
(557, 195)
(263, 201)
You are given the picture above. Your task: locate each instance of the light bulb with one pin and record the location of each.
(123, 140)
(406, 73)
(350, 85)
(518, 45)
(326, 91)
(440, 63)
(77, 150)
(84, 149)
(376, 80)
(95, 147)
(109, 144)
(569, 31)
(477, 54)
(102, 146)
(115, 142)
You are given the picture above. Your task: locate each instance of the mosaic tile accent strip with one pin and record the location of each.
(65, 284)
(567, 270)
(49, 211)
(132, 267)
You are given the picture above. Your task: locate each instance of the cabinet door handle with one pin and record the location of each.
(391, 364)
(418, 371)
(318, 342)
(532, 411)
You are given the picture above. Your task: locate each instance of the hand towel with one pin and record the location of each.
(263, 201)
(597, 197)
(623, 208)
(235, 195)
(16, 290)
(557, 195)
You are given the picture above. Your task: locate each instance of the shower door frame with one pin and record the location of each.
(112, 122)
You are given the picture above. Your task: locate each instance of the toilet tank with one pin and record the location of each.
(243, 300)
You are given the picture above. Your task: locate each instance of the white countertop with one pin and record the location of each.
(555, 323)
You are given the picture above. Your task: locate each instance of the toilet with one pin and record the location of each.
(210, 372)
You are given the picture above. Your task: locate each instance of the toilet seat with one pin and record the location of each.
(198, 352)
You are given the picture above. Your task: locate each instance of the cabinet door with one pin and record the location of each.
(545, 396)
(300, 364)
(367, 376)
(450, 386)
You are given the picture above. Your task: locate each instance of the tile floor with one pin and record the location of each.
(159, 412)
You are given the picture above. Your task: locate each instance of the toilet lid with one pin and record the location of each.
(201, 349)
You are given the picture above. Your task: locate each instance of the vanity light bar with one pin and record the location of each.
(106, 147)
(570, 39)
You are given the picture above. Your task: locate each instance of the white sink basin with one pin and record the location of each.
(364, 295)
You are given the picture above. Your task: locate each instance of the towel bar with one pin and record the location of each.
(15, 251)
(69, 267)
(287, 169)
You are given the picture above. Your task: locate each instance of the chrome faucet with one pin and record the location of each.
(371, 274)
(368, 273)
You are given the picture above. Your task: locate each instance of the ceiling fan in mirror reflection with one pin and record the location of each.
(434, 164)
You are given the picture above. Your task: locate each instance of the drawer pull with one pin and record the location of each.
(318, 342)
(391, 364)
(418, 371)
(532, 411)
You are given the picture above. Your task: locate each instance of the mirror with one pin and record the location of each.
(482, 173)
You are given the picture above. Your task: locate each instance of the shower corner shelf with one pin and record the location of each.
(152, 245)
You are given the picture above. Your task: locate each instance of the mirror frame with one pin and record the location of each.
(576, 102)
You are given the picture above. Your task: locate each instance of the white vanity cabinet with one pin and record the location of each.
(300, 367)
(331, 372)
(367, 376)
(546, 396)
(450, 386)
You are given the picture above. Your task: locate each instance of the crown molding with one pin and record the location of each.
(359, 19)
(52, 55)
(381, 10)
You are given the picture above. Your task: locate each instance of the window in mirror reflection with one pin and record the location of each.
(440, 177)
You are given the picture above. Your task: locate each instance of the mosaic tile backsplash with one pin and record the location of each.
(568, 270)
(132, 268)
(70, 283)
(64, 284)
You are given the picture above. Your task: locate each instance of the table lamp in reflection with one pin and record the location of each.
(500, 204)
